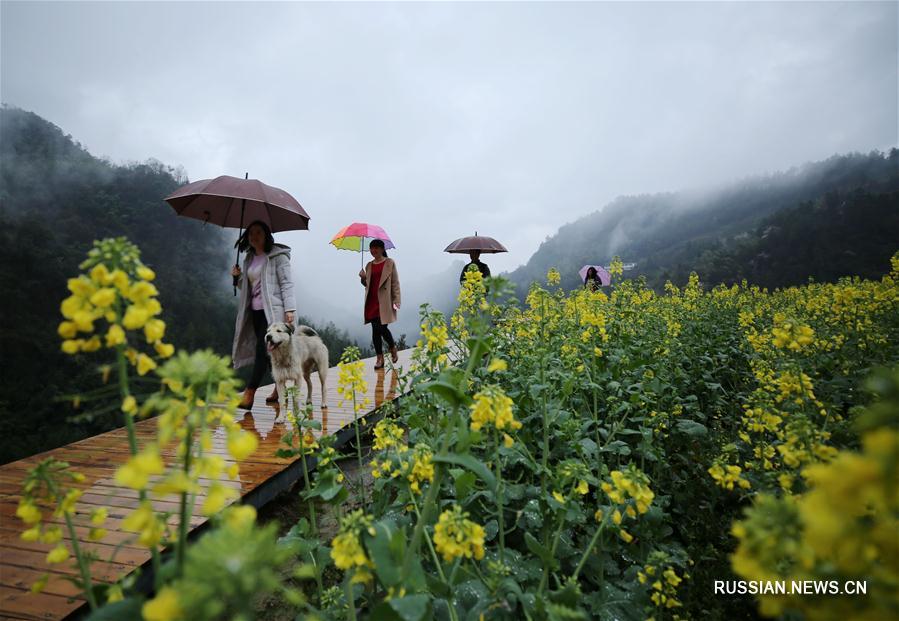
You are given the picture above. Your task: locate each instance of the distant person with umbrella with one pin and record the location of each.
(475, 256)
(266, 296)
(595, 277)
(591, 280)
(382, 298)
(474, 246)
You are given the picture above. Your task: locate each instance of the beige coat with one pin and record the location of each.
(388, 290)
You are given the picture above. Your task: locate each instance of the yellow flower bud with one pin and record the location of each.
(59, 554)
(99, 274)
(135, 317)
(242, 444)
(115, 335)
(32, 534)
(145, 364)
(154, 330)
(103, 298)
(96, 534)
(145, 273)
(40, 583)
(91, 344)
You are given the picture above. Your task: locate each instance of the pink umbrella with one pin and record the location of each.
(604, 277)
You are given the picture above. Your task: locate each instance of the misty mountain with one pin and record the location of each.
(832, 218)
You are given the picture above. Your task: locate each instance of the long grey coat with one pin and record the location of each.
(277, 299)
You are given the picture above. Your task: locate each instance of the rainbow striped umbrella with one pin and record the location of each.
(353, 236)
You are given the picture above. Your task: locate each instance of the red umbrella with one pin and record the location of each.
(229, 202)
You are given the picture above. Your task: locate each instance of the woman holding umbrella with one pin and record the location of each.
(382, 298)
(591, 280)
(266, 296)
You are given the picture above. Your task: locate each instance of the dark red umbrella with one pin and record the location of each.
(230, 202)
(476, 242)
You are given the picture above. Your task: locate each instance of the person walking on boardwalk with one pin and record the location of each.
(266, 296)
(475, 256)
(382, 299)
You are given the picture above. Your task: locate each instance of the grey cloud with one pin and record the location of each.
(439, 119)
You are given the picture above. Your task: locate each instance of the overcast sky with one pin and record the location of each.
(436, 120)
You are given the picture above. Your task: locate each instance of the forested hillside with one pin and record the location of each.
(822, 220)
(55, 199)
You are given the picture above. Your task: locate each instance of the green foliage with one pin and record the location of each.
(55, 200)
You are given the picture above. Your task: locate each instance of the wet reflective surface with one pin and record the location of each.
(98, 457)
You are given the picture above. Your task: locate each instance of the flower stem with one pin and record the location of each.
(499, 501)
(185, 517)
(589, 549)
(307, 481)
(428, 541)
(125, 391)
(83, 566)
(350, 600)
(552, 552)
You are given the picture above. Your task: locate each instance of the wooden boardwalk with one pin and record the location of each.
(262, 477)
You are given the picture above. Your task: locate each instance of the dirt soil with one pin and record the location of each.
(286, 510)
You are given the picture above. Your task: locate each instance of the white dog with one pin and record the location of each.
(295, 352)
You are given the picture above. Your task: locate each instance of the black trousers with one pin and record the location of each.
(261, 364)
(379, 330)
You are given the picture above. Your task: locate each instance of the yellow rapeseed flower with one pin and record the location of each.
(135, 317)
(145, 364)
(145, 273)
(136, 472)
(166, 606)
(217, 498)
(242, 444)
(497, 364)
(103, 298)
(492, 406)
(144, 521)
(154, 330)
(456, 536)
(28, 512)
(59, 554)
(164, 350)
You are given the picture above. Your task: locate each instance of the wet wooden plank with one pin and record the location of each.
(98, 458)
(17, 604)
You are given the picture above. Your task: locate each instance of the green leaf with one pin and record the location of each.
(386, 554)
(411, 607)
(469, 462)
(327, 487)
(617, 448)
(464, 481)
(445, 391)
(538, 549)
(125, 610)
(691, 428)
